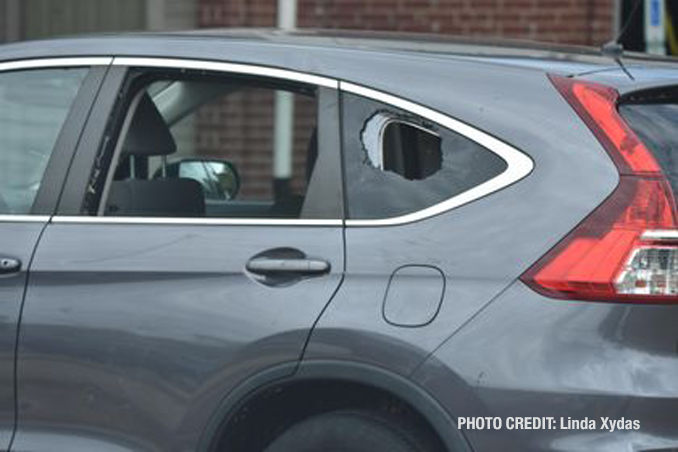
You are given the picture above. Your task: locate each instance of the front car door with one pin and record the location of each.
(196, 244)
(43, 107)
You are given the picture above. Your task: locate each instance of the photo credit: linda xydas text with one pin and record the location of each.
(546, 423)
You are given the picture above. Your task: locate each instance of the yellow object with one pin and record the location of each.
(671, 34)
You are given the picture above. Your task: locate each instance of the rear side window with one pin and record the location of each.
(398, 163)
(196, 145)
(655, 119)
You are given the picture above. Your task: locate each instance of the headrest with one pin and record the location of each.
(148, 133)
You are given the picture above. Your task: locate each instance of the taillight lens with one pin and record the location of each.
(627, 249)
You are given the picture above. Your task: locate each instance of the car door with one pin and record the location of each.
(43, 106)
(156, 291)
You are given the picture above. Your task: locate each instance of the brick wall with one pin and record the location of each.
(566, 21)
(239, 128)
(237, 13)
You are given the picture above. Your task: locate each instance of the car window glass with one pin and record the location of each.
(33, 108)
(655, 122)
(215, 151)
(397, 163)
(411, 151)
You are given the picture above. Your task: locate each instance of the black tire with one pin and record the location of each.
(351, 431)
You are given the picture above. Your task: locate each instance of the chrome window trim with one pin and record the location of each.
(236, 68)
(24, 218)
(194, 221)
(40, 63)
(664, 235)
(518, 164)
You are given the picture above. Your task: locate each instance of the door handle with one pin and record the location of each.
(9, 265)
(266, 266)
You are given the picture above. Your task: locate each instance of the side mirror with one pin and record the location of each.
(219, 178)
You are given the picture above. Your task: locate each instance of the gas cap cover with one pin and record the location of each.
(414, 295)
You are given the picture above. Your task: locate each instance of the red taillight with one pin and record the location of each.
(626, 250)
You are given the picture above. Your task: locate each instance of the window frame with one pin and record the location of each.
(147, 76)
(326, 88)
(518, 164)
(56, 170)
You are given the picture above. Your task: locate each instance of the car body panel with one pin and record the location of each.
(20, 235)
(17, 241)
(144, 364)
(635, 77)
(528, 355)
(481, 247)
(140, 330)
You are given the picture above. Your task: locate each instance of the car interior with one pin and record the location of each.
(156, 176)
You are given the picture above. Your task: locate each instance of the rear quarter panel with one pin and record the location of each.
(481, 247)
(527, 355)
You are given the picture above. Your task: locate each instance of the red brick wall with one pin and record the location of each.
(565, 21)
(239, 128)
(237, 13)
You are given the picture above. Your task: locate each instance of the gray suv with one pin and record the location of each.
(257, 241)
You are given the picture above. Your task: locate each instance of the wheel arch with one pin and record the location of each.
(257, 388)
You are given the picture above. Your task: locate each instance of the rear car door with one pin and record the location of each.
(198, 240)
(43, 106)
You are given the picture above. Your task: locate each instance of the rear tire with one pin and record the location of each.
(351, 431)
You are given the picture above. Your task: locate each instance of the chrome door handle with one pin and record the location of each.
(265, 266)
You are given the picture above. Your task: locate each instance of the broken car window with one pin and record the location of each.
(401, 145)
(398, 163)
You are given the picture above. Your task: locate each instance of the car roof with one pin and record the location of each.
(408, 42)
(564, 59)
(364, 56)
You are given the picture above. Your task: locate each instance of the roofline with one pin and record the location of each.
(411, 42)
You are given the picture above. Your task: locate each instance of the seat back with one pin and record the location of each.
(149, 136)
(156, 198)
